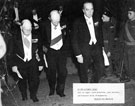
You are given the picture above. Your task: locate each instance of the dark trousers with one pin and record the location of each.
(57, 72)
(93, 57)
(29, 72)
(129, 60)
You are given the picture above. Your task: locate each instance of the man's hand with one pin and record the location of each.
(37, 56)
(15, 69)
(40, 68)
(109, 54)
(79, 58)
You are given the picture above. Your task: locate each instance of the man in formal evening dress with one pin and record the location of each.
(87, 41)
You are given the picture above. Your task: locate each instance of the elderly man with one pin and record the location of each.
(54, 45)
(23, 60)
(87, 44)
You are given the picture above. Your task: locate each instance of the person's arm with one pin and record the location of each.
(40, 51)
(2, 47)
(79, 58)
(101, 39)
(74, 39)
(45, 43)
(12, 57)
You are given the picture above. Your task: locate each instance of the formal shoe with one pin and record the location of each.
(35, 99)
(61, 94)
(24, 98)
(51, 93)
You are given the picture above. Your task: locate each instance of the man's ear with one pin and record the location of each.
(83, 10)
(49, 18)
(21, 27)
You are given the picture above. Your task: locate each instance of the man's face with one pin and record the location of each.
(26, 31)
(105, 18)
(55, 18)
(16, 4)
(26, 27)
(131, 15)
(88, 9)
(34, 11)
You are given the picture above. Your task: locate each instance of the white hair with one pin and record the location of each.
(54, 15)
(26, 24)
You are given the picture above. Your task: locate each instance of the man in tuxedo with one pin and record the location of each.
(87, 44)
(35, 18)
(24, 61)
(54, 37)
(15, 15)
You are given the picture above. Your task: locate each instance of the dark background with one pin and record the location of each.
(72, 8)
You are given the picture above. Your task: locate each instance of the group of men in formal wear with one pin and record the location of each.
(29, 47)
(33, 40)
(27, 56)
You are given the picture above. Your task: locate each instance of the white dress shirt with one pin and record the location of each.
(90, 25)
(55, 32)
(27, 51)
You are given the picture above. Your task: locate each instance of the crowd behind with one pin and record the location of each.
(52, 39)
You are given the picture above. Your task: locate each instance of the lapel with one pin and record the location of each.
(96, 24)
(86, 27)
(63, 31)
(19, 42)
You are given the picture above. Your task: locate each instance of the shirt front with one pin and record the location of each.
(27, 51)
(55, 33)
(90, 25)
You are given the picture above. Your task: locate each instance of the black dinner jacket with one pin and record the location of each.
(81, 35)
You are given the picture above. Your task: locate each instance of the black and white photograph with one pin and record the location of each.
(67, 52)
